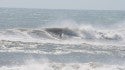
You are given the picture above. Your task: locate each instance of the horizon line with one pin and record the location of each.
(63, 9)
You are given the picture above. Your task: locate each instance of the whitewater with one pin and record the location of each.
(41, 39)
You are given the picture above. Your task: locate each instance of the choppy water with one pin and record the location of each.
(34, 39)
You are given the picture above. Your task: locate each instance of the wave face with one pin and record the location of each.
(34, 39)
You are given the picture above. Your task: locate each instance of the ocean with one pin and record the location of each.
(52, 39)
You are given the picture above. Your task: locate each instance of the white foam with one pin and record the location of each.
(64, 66)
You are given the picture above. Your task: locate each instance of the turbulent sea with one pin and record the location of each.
(42, 39)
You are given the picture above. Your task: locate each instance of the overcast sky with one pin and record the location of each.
(66, 4)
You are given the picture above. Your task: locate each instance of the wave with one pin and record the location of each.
(63, 34)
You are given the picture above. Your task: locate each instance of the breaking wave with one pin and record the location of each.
(63, 34)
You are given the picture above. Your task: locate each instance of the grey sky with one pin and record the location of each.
(66, 4)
